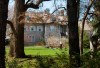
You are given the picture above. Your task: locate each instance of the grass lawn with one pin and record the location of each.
(41, 56)
(34, 51)
(40, 50)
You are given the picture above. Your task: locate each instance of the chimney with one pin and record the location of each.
(47, 11)
(62, 12)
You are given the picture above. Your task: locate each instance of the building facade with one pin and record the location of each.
(45, 27)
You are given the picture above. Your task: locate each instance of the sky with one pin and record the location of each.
(50, 5)
(46, 5)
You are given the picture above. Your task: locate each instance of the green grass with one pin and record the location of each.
(41, 55)
(34, 51)
(39, 50)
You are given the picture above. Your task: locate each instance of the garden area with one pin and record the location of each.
(49, 33)
(42, 57)
(37, 57)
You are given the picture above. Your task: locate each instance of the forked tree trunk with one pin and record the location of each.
(74, 50)
(19, 10)
(19, 41)
(17, 44)
(3, 18)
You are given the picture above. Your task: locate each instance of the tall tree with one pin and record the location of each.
(3, 21)
(19, 40)
(83, 23)
(96, 27)
(74, 51)
(17, 47)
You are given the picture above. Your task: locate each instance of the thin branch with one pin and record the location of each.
(83, 22)
(32, 5)
(58, 8)
(12, 27)
(27, 1)
(92, 14)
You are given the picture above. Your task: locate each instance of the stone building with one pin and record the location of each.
(42, 26)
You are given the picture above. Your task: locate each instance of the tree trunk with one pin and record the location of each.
(12, 43)
(83, 23)
(19, 10)
(19, 41)
(74, 50)
(3, 18)
(17, 44)
(93, 45)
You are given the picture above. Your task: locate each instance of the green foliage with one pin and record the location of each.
(86, 40)
(89, 62)
(12, 64)
(60, 61)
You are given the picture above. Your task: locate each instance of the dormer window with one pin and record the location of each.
(32, 28)
(53, 19)
(25, 28)
(52, 28)
(39, 28)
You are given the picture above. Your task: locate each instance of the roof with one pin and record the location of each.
(87, 26)
(42, 17)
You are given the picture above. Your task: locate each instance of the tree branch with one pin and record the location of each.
(12, 27)
(83, 22)
(58, 8)
(27, 1)
(32, 5)
(92, 14)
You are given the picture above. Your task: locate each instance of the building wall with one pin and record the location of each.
(33, 33)
(52, 35)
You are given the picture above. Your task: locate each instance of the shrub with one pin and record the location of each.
(89, 62)
(86, 40)
(60, 61)
(12, 64)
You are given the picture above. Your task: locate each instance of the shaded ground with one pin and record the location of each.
(39, 55)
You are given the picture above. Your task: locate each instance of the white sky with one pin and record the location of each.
(50, 5)
(46, 4)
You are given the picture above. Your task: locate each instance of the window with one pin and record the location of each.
(25, 28)
(52, 28)
(39, 28)
(32, 28)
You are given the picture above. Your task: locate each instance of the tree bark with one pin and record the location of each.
(3, 21)
(83, 23)
(17, 39)
(19, 14)
(74, 50)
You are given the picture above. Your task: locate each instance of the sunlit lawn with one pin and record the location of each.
(33, 51)
(40, 50)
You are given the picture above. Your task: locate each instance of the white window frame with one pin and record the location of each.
(39, 28)
(52, 28)
(25, 28)
(33, 27)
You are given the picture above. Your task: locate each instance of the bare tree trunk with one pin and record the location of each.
(83, 23)
(20, 8)
(93, 45)
(74, 50)
(17, 41)
(3, 18)
(12, 43)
